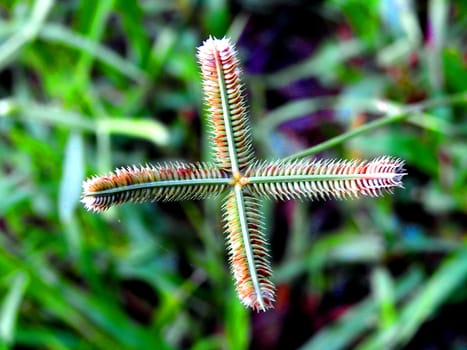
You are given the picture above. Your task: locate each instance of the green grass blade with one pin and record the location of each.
(56, 33)
(10, 48)
(237, 323)
(302, 107)
(72, 177)
(147, 129)
(416, 108)
(10, 308)
(451, 276)
(322, 64)
(383, 293)
(93, 17)
(342, 333)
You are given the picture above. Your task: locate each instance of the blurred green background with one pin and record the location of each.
(86, 86)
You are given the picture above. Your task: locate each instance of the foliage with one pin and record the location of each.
(88, 86)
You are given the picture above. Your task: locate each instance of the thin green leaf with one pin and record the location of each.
(302, 107)
(438, 22)
(451, 276)
(460, 98)
(93, 17)
(10, 48)
(142, 128)
(383, 293)
(10, 307)
(47, 337)
(342, 333)
(72, 177)
(237, 324)
(323, 64)
(56, 33)
(147, 129)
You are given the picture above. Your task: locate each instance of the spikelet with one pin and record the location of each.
(171, 181)
(247, 249)
(304, 179)
(224, 98)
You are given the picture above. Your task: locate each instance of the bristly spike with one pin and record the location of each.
(165, 182)
(338, 179)
(247, 249)
(224, 97)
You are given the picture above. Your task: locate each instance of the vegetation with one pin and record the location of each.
(88, 86)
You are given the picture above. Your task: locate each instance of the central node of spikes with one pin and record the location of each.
(239, 180)
(240, 177)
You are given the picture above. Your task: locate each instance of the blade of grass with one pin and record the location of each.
(139, 128)
(110, 328)
(132, 18)
(342, 333)
(56, 33)
(406, 113)
(43, 337)
(72, 177)
(160, 53)
(451, 276)
(437, 23)
(408, 40)
(10, 48)
(215, 16)
(59, 34)
(237, 324)
(237, 27)
(93, 17)
(306, 106)
(339, 247)
(322, 63)
(383, 294)
(147, 129)
(352, 105)
(10, 307)
(70, 191)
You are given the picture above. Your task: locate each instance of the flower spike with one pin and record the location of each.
(236, 173)
(247, 249)
(228, 116)
(171, 181)
(318, 179)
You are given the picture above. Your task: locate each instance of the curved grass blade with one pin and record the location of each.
(10, 306)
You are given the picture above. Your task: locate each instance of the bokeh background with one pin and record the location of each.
(87, 86)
